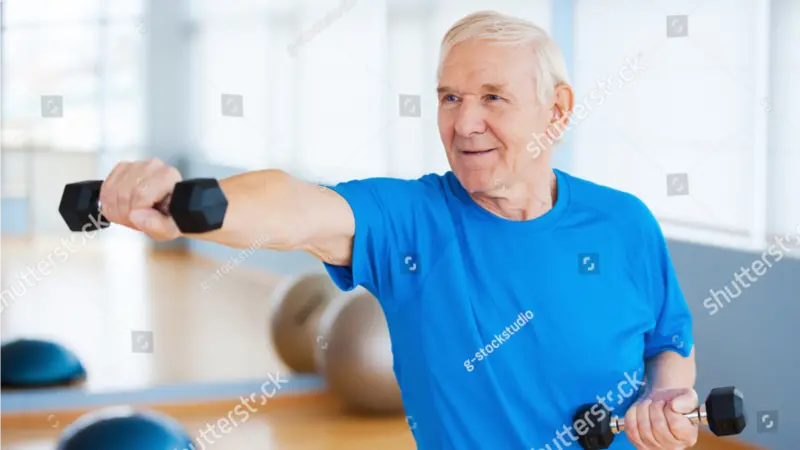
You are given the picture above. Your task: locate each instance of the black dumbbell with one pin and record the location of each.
(197, 206)
(723, 413)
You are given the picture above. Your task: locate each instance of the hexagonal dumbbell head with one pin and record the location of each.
(198, 205)
(79, 206)
(725, 411)
(593, 433)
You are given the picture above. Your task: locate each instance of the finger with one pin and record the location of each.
(155, 225)
(658, 423)
(632, 427)
(681, 428)
(684, 403)
(158, 181)
(127, 185)
(108, 192)
(645, 429)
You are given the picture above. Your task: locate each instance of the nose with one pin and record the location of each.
(470, 119)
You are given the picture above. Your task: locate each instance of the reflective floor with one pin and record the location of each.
(137, 319)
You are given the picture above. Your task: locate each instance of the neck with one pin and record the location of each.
(521, 199)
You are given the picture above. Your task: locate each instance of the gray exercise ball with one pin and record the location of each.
(299, 303)
(356, 354)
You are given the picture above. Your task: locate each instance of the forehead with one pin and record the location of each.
(474, 63)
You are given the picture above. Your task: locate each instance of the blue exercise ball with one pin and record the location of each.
(31, 363)
(122, 428)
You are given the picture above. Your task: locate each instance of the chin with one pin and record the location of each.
(474, 181)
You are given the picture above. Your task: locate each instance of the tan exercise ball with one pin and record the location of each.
(299, 303)
(356, 355)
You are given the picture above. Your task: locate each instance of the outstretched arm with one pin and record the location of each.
(267, 208)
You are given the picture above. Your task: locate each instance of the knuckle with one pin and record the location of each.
(141, 189)
(153, 163)
(123, 198)
(172, 173)
(120, 168)
(138, 196)
(656, 414)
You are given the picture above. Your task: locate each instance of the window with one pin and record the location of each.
(782, 107)
(72, 79)
(322, 83)
(687, 130)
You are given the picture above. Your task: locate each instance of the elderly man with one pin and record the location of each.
(514, 292)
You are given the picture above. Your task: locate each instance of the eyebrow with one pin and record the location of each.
(489, 87)
(442, 89)
(494, 88)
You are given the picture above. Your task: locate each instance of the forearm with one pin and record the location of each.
(669, 370)
(263, 211)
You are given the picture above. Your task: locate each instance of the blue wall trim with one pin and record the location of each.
(65, 399)
(14, 213)
(563, 24)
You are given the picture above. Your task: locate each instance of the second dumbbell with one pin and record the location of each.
(196, 205)
(723, 412)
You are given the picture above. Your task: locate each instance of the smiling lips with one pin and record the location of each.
(474, 152)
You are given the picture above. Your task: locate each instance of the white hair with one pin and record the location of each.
(503, 29)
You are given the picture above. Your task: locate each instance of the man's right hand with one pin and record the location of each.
(130, 194)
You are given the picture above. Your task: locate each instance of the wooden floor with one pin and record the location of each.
(108, 288)
(316, 423)
(104, 292)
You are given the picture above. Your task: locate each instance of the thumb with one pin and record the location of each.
(685, 403)
(154, 224)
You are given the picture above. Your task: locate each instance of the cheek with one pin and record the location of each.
(446, 129)
(513, 135)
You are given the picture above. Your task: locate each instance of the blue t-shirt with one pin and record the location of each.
(501, 329)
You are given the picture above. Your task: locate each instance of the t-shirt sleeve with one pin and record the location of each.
(382, 208)
(673, 329)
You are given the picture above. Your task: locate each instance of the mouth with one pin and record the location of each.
(477, 152)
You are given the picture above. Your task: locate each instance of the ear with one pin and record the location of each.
(563, 102)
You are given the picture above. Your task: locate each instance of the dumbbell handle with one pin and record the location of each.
(697, 417)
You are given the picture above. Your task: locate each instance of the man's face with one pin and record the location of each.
(489, 114)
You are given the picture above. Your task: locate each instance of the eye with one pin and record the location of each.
(493, 97)
(450, 98)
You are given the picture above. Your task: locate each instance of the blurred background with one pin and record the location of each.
(689, 105)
